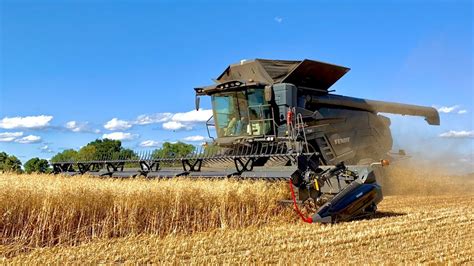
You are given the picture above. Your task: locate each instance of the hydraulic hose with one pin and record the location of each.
(305, 219)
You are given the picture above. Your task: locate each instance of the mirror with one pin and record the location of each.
(268, 93)
(197, 100)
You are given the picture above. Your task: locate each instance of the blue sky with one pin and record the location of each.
(68, 68)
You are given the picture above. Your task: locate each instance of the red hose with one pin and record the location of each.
(305, 219)
(289, 117)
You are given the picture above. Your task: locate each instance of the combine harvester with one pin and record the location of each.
(277, 120)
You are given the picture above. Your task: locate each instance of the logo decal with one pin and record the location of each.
(342, 140)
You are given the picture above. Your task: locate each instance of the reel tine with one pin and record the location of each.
(205, 151)
(201, 150)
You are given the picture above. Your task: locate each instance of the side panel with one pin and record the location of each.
(351, 136)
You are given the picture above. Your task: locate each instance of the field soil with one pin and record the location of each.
(429, 219)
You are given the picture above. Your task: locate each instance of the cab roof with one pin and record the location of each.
(303, 73)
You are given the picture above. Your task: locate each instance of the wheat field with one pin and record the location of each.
(47, 210)
(51, 219)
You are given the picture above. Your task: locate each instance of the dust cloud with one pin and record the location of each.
(423, 179)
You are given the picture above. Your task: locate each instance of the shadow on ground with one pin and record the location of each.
(379, 215)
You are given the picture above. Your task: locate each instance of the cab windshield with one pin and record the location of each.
(241, 113)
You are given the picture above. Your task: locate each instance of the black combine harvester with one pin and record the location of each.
(277, 120)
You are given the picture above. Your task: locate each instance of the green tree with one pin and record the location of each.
(99, 149)
(65, 156)
(127, 154)
(87, 153)
(9, 163)
(178, 149)
(37, 165)
(106, 148)
(3, 157)
(210, 148)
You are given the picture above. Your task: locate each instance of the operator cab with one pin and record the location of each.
(240, 111)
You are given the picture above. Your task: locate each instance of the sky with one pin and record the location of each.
(75, 71)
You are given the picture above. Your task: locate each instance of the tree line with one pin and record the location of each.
(99, 149)
(10, 163)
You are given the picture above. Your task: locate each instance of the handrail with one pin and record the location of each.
(208, 124)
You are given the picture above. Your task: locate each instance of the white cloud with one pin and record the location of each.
(278, 19)
(39, 121)
(194, 138)
(192, 116)
(120, 136)
(116, 124)
(171, 121)
(10, 136)
(450, 109)
(75, 126)
(186, 120)
(447, 109)
(457, 134)
(17, 137)
(149, 143)
(46, 149)
(173, 125)
(153, 118)
(29, 139)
